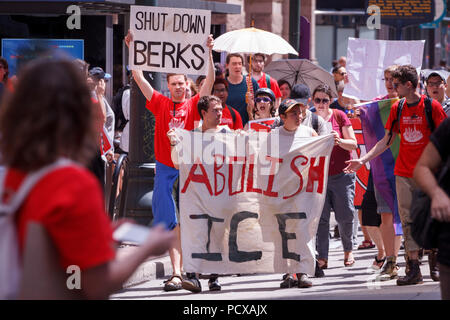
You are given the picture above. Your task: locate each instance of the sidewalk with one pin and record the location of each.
(153, 268)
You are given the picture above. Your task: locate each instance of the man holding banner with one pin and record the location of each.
(177, 112)
(409, 119)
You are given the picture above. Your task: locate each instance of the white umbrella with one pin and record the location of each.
(252, 40)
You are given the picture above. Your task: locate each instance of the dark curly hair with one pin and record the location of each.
(406, 73)
(49, 115)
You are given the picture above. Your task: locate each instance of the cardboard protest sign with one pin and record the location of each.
(170, 40)
(367, 60)
(251, 202)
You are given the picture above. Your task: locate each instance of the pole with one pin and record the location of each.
(294, 26)
(137, 188)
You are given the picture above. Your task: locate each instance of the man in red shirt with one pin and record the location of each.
(177, 112)
(415, 131)
(263, 79)
(220, 90)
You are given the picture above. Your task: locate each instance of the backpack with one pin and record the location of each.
(121, 121)
(268, 81)
(315, 122)
(233, 113)
(428, 115)
(10, 266)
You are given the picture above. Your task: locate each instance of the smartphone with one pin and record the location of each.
(131, 233)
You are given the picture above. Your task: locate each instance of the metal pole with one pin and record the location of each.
(137, 191)
(294, 26)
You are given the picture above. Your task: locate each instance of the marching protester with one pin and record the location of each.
(240, 88)
(341, 186)
(435, 154)
(48, 189)
(210, 110)
(436, 85)
(340, 74)
(169, 113)
(264, 80)
(285, 89)
(391, 242)
(230, 116)
(264, 104)
(412, 123)
(291, 114)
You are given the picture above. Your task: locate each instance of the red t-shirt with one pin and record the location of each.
(339, 155)
(414, 132)
(273, 85)
(169, 114)
(227, 119)
(68, 203)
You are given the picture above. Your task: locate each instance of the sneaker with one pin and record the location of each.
(303, 280)
(389, 271)
(214, 285)
(288, 282)
(192, 284)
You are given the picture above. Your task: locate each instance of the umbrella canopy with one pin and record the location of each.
(252, 40)
(301, 71)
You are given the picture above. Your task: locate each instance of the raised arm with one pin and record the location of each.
(138, 75)
(211, 75)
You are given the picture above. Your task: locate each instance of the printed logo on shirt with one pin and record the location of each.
(412, 135)
(176, 123)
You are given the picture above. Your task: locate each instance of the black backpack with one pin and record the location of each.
(121, 121)
(428, 114)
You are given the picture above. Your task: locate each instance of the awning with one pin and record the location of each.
(93, 7)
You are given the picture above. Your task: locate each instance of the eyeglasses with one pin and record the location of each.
(343, 73)
(435, 84)
(319, 101)
(263, 100)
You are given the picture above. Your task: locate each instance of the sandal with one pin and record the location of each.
(348, 262)
(366, 244)
(171, 285)
(378, 263)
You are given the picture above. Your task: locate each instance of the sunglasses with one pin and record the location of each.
(319, 101)
(263, 100)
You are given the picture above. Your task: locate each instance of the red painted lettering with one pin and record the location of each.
(297, 172)
(216, 173)
(230, 175)
(199, 178)
(316, 173)
(269, 191)
(251, 167)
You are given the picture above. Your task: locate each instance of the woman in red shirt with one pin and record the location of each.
(50, 117)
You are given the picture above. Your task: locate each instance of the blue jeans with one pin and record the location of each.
(340, 195)
(163, 205)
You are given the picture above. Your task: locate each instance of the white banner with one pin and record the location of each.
(170, 40)
(367, 60)
(251, 202)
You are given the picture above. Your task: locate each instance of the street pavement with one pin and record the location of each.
(340, 283)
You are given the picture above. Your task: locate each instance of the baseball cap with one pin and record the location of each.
(98, 73)
(438, 73)
(288, 104)
(300, 91)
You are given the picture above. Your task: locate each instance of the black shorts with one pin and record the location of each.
(370, 217)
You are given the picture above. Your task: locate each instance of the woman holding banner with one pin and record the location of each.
(341, 186)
